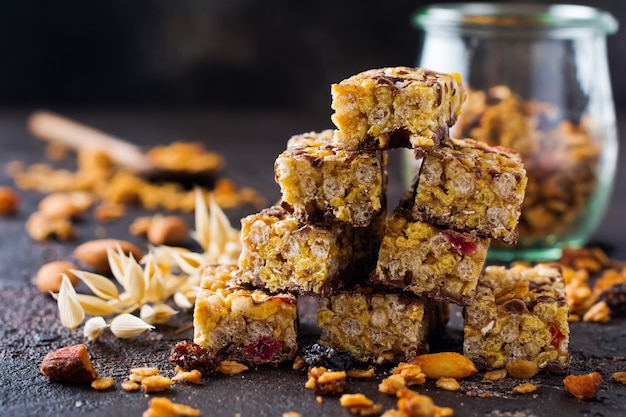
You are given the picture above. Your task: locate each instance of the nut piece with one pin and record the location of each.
(598, 313)
(411, 373)
(49, 276)
(40, 227)
(583, 387)
(93, 253)
(160, 407)
(522, 369)
(445, 364)
(138, 374)
(448, 384)
(192, 376)
(65, 205)
(9, 201)
(69, 364)
(107, 211)
(324, 381)
(360, 405)
(155, 383)
(168, 230)
(392, 384)
(496, 375)
(101, 384)
(526, 388)
(410, 403)
(129, 386)
(619, 377)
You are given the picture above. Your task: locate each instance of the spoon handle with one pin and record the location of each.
(55, 128)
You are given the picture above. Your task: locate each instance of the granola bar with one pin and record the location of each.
(323, 183)
(281, 254)
(469, 186)
(244, 325)
(395, 107)
(425, 259)
(380, 327)
(519, 312)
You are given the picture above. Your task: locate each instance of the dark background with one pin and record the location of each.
(214, 53)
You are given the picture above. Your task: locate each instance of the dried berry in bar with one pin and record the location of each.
(244, 325)
(425, 259)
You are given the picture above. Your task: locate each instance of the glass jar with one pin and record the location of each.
(538, 83)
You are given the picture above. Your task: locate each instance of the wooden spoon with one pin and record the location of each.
(56, 128)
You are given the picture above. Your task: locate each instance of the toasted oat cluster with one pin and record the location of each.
(424, 259)
(395, 107)
(469, 186)
(281, 254)
(377, 327)
(519, 312)
(243, 325)
(561, 156)
(323, 183)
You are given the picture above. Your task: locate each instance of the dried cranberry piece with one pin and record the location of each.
(461, 243)
(263, 349)
(189, 355)
(557, 336)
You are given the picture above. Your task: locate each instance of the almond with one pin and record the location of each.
(48, 277)
(65, 205)
(445, 364)
(168, 230)
(9, 201)
(583, 387)
(69, 364)
(93, 253)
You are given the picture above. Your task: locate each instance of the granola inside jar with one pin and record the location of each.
(538, 83)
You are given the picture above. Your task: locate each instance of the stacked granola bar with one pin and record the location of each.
(383, 283)
(520, 312)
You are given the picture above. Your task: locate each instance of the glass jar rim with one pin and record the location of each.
(514, 15)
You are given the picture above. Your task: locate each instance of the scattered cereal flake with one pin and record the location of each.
(495, 375)
(359, 404)
(155, 383)
(525, 388)
(194, 376)
(598, 313)
(619, 377)
(130, 386)
(231, 368)
(162, 407)
(102, 384)
(448, 384)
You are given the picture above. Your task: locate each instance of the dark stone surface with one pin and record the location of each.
(29, 325)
